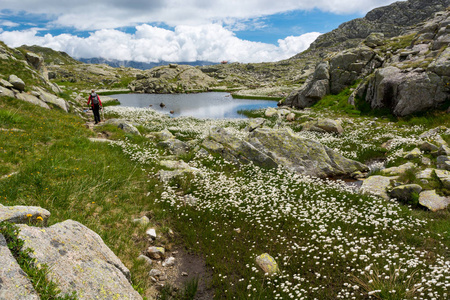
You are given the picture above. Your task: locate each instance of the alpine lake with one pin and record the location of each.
(212, 105)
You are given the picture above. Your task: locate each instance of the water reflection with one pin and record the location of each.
(202, 105)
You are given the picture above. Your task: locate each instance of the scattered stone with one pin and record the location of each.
(425, 161)
(24, 214)
(175, 146)
(377, 185)
(238, 230)
(156, 252)
(169, 262)
(425, 174)
(428, 147)
(323, 125)
(267, 264)
(444, 150)
(155, 273)
(163, 135)
(151, 233)
(142, 221)
(79, 260)
(124, 125)
(17, 82)
(163, 277)
(444, 178)
(14, 284)
(255, 123)
(290, 117)
(184, 274)
(405, 192)
(443, 162)
(146, 259)
(270, 112)
(415, 153)
(189, 200)
(398, 170)
(433, 201)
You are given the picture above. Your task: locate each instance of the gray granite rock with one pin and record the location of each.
(14, 283)
(433, 201)
(24, 214)
(79, 261)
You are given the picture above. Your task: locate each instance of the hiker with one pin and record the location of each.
(96, 104)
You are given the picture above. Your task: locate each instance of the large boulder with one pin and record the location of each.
(55, 100)
(313, 90)
(32, 99)
(14, 284)
(405, 92)
(79, 261)
(269, 147)
(238, 149)
(17, 82)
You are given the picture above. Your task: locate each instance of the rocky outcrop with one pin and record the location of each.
(406, 74)
(172, 79)
(390, 20)
(269, 148)
(79, 261)
(406, 92)
(77, 258)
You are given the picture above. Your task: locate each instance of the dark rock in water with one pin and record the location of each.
(162, 105)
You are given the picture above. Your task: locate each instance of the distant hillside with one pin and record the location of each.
(140, 65)
(51, 57)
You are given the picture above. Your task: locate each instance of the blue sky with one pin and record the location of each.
(176, 30)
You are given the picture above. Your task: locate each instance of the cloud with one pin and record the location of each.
(210, 42)
(101, 14)
(8, 24)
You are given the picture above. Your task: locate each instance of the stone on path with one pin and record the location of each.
(14, 284)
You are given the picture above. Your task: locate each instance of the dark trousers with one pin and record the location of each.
(96, 112)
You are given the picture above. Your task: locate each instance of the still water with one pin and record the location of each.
(202, 105)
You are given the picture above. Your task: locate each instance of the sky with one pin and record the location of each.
(246, 31)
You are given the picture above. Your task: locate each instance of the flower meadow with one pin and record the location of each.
(330, 241)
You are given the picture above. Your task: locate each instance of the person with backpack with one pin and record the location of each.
(96, 104)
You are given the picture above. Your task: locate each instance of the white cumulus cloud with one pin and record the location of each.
(210, 42)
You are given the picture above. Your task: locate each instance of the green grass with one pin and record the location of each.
(236, 96)
(59, 169)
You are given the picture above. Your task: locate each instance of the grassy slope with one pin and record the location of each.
(55, 166)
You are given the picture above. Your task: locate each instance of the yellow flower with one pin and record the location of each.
(39, 218)
(29, 215)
